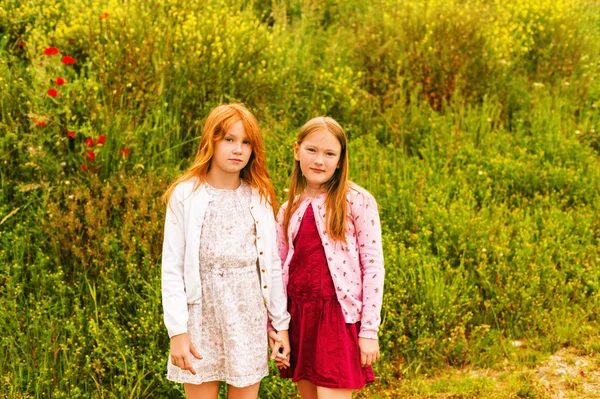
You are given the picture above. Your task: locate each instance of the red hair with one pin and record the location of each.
(217, 123)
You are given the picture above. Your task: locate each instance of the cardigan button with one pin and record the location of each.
(260, 253)
(263, 270)
(265, 287)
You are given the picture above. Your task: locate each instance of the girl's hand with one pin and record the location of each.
(369, 351)
(181, 347)
(279, 340)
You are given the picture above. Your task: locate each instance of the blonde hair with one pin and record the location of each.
(337, 186)
(217, 123)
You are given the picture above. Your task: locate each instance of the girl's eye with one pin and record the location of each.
(228, 139)
(246, 141)
(331, 154)
(310, 149)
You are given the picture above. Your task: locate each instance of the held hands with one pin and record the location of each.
(369, 351)
(279, 340)
(181, 347)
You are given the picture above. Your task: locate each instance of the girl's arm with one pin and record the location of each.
(368, 229)
(281, 243)
(173, 287)
(279, 316)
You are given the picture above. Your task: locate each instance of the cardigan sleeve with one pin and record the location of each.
(282, 245)
(366, 220)
(173, 253)
(278, 315)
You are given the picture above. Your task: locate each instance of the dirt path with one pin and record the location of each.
(567, 374)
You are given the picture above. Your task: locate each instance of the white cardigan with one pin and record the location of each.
(180, 258)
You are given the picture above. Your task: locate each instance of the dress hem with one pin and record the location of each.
(235, 382)
(326, 384)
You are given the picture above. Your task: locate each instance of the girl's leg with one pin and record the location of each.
(206, 390)
(333, 393)
(250, 392)
(307, 389)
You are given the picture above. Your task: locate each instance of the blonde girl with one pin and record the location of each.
(329, 239)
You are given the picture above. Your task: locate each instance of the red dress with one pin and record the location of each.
(324, 348)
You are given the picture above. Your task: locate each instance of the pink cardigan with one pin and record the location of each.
(357, 269)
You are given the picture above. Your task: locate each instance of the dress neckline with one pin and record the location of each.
(225, 190)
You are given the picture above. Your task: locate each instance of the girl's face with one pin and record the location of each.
(319, 157)
(232, 152)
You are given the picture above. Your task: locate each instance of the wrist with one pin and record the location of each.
(179, 336)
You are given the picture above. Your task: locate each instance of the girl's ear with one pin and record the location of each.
(296, 151)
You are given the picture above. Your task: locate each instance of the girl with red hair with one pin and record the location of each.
(221, 273)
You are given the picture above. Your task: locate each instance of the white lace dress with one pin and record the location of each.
(230, 329)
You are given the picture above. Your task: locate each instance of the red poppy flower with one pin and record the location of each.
(51, 51)
(71, 134)
(90, 155)
(68, 60)
(101, 139)
(40, 123)
(125, 152)
(89, 142)
(21, 44)
(96, 169)
(59, 81)
(104, 16)
(52, 92)
(84, 168)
